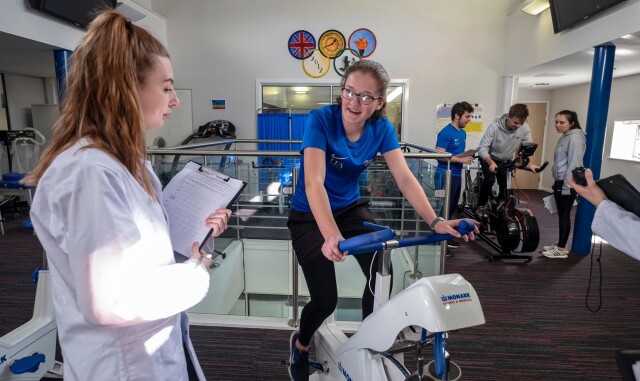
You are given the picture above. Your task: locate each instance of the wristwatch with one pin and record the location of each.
(435, 222)
(210, 257)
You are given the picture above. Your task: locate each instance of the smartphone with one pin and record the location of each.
(619, 190)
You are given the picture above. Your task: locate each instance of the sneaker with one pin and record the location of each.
(298, 361)
(549, 248)
(556, 253)
(453, 243)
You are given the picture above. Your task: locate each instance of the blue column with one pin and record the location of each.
(61, 58)
(596, 128)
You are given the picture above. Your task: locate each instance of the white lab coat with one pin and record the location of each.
(118, 294)
(618, 227)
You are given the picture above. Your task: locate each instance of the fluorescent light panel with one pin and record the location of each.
(536, 7)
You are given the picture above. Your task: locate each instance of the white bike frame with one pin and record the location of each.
(28, 353)
(438, 304)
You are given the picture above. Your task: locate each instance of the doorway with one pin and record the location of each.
(537, 122)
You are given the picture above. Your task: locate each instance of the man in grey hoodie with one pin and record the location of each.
(499, 143)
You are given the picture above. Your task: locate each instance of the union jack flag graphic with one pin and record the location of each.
(301, 44)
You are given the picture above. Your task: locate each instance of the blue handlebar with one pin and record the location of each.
(370, 242)
(365, 240)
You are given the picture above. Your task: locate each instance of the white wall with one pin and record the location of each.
(531, 40)
(19, 19)
(623, 105)
(449, 51)
(22, 92)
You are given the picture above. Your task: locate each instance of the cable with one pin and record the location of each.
(373, 259)
(586, 300)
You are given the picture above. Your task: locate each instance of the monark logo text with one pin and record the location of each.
(456, 298)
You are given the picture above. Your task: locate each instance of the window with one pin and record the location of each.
(302, 98)
(625, 143)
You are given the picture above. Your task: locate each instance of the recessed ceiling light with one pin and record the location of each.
(549, 75)
(536, 7)
(129, 12)
(624, 52)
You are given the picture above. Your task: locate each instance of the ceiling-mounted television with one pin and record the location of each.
(566, 14)
(76, 12)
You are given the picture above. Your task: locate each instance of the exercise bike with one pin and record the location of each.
(508, 229)
(28, 353)
(437, 304)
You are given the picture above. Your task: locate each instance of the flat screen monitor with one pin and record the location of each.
(76, 12)
(566, 14)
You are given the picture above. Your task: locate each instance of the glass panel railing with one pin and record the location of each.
(254, 278)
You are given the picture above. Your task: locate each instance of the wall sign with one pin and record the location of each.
(331, 43)
(363, 41)
(344, 59)
(301, 44)
(316, 65)
(316, 59)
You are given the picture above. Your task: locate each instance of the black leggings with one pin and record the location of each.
(564, 203)
(321, 280)
(319, 272)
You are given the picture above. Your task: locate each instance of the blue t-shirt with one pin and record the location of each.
(453, 141)
(345, 160)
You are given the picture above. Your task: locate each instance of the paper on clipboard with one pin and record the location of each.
(550, 204)
(191, 195)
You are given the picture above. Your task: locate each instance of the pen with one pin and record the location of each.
(205, 239)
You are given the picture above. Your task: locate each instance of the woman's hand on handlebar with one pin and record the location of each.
(448, 227)
(330, 248)
(534, 168)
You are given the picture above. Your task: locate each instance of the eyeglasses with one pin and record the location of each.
(364, 99)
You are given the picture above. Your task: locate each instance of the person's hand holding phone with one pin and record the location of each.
(591, 192)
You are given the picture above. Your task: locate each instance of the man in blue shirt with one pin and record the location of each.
(452, 139)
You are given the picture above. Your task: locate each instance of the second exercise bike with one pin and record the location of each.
(509, 229)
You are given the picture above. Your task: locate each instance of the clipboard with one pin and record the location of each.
(191, 195)
(550, 203)
(469, 152)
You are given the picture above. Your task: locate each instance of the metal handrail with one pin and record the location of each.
(197, 150)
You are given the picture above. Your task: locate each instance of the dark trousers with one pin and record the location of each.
(321, 280)
(564, 203)
(319, 272)
(191, 370)
(489, 180)
(454, 192)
